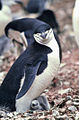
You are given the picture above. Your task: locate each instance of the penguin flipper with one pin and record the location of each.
(29, 75)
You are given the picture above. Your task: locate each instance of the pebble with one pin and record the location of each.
(63, 110)
(10, 115)
(63, 117)
(76, 102)
(72, 108)
(55, 113)
(15, 113)
(64, 91)
(69, 98)
(69, 102)
(25, 114)
(2, 113)
(77, 116)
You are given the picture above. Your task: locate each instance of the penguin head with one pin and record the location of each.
(35, 105)
(44, 37)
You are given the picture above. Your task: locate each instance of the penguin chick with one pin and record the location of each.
(40, 103)
(33, 6)
(48, 16)
(34, 69)
(75, 21)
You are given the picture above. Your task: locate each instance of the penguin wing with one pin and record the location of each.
(30, 72)
(29, 76)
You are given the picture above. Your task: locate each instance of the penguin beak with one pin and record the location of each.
(43, 35)
(43, 38)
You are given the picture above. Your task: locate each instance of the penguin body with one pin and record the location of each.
(75, 21)
(34, 69)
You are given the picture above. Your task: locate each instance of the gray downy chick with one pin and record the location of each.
(40, 103)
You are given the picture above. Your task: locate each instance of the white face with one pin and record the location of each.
(44, 41)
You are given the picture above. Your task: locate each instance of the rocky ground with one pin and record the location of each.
(63, 94)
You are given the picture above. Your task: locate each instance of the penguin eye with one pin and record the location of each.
(35, 103)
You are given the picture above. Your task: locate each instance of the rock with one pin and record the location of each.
(69, 98)
(55, 113)
(9, 115)
(15, 113)
(63, 110)
(63, 117)
(2, 114)
(25, 114)
(72, 108)
(76, 102)
(64, 91)
(69, 102)
(77, 116)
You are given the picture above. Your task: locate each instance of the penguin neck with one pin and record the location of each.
(53, 44)
(55, 47)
